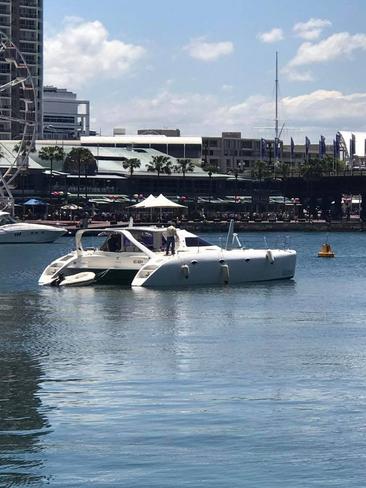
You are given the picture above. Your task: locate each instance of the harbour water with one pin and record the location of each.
(252, 386)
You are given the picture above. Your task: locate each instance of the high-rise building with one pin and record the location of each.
(22, 22)
(64, 116)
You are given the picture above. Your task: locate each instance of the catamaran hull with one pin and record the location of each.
(222, 269)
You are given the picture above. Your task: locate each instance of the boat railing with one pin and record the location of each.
(258, 242)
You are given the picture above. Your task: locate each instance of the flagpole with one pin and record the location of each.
(276, 119)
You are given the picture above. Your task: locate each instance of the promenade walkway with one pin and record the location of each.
(222, 226)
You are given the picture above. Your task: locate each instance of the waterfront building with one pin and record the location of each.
(230, 152)
(147, 145)
(64, 115)
(22, 22)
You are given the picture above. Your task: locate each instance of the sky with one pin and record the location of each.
(207, 67)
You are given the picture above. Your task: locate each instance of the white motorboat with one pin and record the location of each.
(13, 232)
(135, 256)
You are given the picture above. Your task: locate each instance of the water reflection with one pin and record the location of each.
(22, 419)
(22, 423)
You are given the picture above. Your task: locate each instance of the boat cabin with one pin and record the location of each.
(137, 239)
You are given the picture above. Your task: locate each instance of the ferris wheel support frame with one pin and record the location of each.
(28, 134)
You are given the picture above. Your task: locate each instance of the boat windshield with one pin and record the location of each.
(197, 242)
(6, 219)
(117, 242)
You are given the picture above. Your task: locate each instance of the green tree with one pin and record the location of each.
(160, 164)
(184, 166)
(51, 154)
(260, 170)
(23, 147)
(131, 164)
(210, 170)
(80, 161)
(317, 167)
(283, 169)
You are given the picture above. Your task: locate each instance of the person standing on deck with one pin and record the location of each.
(171, 234)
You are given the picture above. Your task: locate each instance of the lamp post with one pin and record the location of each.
(54, 130)
(210, 186)
(78, 200)
(236, 192)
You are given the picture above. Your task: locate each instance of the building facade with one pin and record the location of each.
(64, 116)
(230, 152)
(22, 22)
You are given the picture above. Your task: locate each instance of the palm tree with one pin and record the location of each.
(51, 153)
(184, 166)
(160, 164)
(210, 170)
(131, 164)
(80, 161)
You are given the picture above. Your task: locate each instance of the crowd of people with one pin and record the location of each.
(83, 216)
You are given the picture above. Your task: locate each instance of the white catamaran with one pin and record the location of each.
(135, 256)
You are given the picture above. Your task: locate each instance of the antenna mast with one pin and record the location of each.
(276, 119)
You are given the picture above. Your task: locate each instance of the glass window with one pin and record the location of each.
(160, 147)
(176, 150)
(196, 242)
(193, 151)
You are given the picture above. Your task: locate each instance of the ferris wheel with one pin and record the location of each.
(18, 116)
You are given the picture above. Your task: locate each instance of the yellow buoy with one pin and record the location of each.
(326, 251)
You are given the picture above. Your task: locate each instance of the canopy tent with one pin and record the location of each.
(145, 203)
(159, 202)
(163, 202)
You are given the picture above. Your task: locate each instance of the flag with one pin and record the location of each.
(277, 149)
(352, 146)
(307, 147)
(337, 145)
(322, 147)
(292, 149)
(262, 149)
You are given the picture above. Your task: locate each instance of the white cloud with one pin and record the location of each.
(336, 46)
(311, 29)
(318, 112)
(297, 75)
(274, 35)
(82, 51)
(203, 50)
(330, 107)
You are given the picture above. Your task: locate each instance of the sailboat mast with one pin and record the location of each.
(276, 118)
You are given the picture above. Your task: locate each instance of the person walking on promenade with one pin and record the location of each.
(171, 234)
